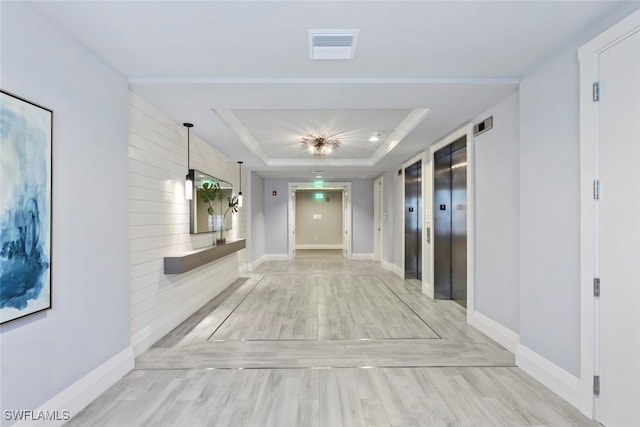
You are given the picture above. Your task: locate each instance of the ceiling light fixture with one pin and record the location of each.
(375, 137)
(240, 185)
(320, 145)
(188, 182)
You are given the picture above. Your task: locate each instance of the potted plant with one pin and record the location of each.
(211, 193)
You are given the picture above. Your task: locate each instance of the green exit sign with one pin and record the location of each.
(319, 196)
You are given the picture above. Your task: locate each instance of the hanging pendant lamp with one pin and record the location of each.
(240, 186)
(188, 182)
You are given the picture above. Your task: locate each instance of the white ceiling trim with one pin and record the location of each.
(409, 123)
(319, 162)
(323, 80)
(413, 119)
(245, 136)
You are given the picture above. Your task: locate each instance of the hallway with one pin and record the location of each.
(327, 342)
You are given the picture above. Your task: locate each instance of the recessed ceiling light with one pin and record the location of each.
(375, 137)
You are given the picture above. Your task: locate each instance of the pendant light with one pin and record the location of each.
(188, 182)
(240, 186)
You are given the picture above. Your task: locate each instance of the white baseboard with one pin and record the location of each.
(78, 395)
(386, 265)
(274, 257)
(494, 330)
(367, 257)
(398, 271)
(335, 246)
(550, 375)
(427, 289)
(255, 264)
(163, 324)
(225, 272)
(243, 267)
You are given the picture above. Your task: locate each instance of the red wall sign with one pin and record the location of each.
(274, 193)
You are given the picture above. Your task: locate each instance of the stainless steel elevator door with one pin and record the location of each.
(413, 221)
(450, 222)
(442, 223)
(459, 226)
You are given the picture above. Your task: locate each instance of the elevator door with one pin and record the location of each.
(413, 221)
(450, 222)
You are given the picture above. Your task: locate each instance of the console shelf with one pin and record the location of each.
(189, 261)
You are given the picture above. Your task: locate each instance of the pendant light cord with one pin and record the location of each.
(188, 126)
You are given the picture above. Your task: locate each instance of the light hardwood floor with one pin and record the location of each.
(327, 343)
(319, 253)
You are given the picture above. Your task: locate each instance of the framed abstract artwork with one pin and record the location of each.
(26, 131)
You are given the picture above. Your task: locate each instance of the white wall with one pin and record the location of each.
(43, 354)
(549, 213)
(159, 224)
(324, 231)
(256, 221)
(397, 203)
(362, 216)
(549, 205)
(497, 205)
(390, 235)
(275, 217)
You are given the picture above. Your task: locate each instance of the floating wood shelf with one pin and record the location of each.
(189, 261)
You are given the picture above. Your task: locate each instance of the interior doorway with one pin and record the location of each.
(413, 221)
(450, 222)
(319, 221)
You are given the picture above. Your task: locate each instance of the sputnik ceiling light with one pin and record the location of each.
(240, 185)
(320, 144)
(188, 182)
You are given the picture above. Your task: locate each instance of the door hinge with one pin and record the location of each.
(596, 91)
(596, 286)
(596, 189)
(596, 385)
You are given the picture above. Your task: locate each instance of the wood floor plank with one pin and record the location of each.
(327, 343)
(348, 307)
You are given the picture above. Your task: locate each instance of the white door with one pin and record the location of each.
(619, 233)
(377, 219)
(292, 224)
(346, 222)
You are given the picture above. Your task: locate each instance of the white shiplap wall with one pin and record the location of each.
(159, 224)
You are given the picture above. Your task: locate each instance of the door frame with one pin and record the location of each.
(588, 57)
(416, 159)
(378, 217)
(419, 157)
(428, 287)
(345, 187)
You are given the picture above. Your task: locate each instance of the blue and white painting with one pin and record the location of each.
(25, 207)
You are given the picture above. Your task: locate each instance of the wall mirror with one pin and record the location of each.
(199, 219)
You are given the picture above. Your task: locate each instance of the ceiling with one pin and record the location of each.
(240, 70)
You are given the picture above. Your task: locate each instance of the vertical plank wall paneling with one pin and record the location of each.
(159, 224)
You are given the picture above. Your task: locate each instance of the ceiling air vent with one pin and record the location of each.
(332, 44)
